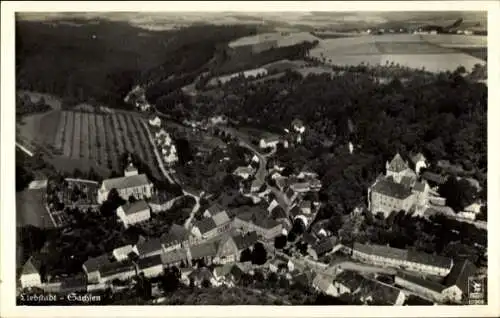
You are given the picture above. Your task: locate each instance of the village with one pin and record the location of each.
(276, 236)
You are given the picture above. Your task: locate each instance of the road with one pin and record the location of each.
(187, 224)
(29, 153)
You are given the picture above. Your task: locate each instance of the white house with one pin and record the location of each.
(419, 162)
(132, 213)
(117, 271)
(122, 253)
(298, 126)
(30, 275)
(155, 122)
(271, 141)
(244, 172)
(457, 281)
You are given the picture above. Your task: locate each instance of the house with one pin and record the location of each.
(419, 162)
(149, 247)
(205, 252)
(272, 141)
(92, 265)
(200, 276)
(298, 126)
(30, 274)
(373, 292)
(213, 210)
(347, 282)
(211, 227)
(257, 220)
(155, 122)
(408, 260)
(132, 184)
(457, 281)
(116, 270)
(151, 266)
(322, 247)
(176, 238)
(244, 172)
(281, 182)
(122, 253)
(74, 284)
(324, 284)
(133, 213)
(422, 287)
(174, 258)
(305, 207)
(231, 247)
(474, 208)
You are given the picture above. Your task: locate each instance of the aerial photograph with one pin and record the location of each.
(251, 158)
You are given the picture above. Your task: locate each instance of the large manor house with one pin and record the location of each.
(400, 188)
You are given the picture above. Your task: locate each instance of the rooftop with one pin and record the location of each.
(32, 266)
(176, 234)
(172, 257)
(259, 218)
(116, 268)
(391, 189)
(208, 249)
(205, 225)
(150, 261)
(397, 164)
(431, 285)
(278, 213)
(149, 246)
(434, 177)
(126, 250)
(135, 207)
(325, 245)
(244, 241)
(350, 279)
(381, 294)
(221, 218)
(460, 274)
(94, 263)
(407, 255)
(126, 182)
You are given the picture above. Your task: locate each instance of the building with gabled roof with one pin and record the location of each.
(151, 266)
(419, 162)
(30, 274)
(149, 247)
(230, 248)
(133, 213)
(117, 270)
(174, 258)
(324, 284)
(373, 292)
(92, 266)
(131, 184)
(322, 247)
(347, 282)
(257, 220)
(122, 253)
(457, 281)
(244, 172)
(422, 287)
(205, 251)
(408, 260)
(176, 238)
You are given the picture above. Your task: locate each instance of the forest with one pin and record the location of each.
(100, 61)
(443, 116)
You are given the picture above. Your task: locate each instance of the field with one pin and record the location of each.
(30, 209)
(84, 139)
(435, 53)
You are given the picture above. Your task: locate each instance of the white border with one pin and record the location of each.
(7, 194)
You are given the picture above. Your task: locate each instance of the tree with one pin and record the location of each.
(206, 283)
(246, 255)
(280, 241)
(458, 193)
(259, 254)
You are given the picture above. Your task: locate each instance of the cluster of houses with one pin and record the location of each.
(294, 135)
(164, 142)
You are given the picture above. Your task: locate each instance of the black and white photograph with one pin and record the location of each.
(279, 158)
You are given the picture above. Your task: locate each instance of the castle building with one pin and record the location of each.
(399, 189)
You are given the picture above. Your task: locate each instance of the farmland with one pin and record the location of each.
(85, 139)
(435, 53)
